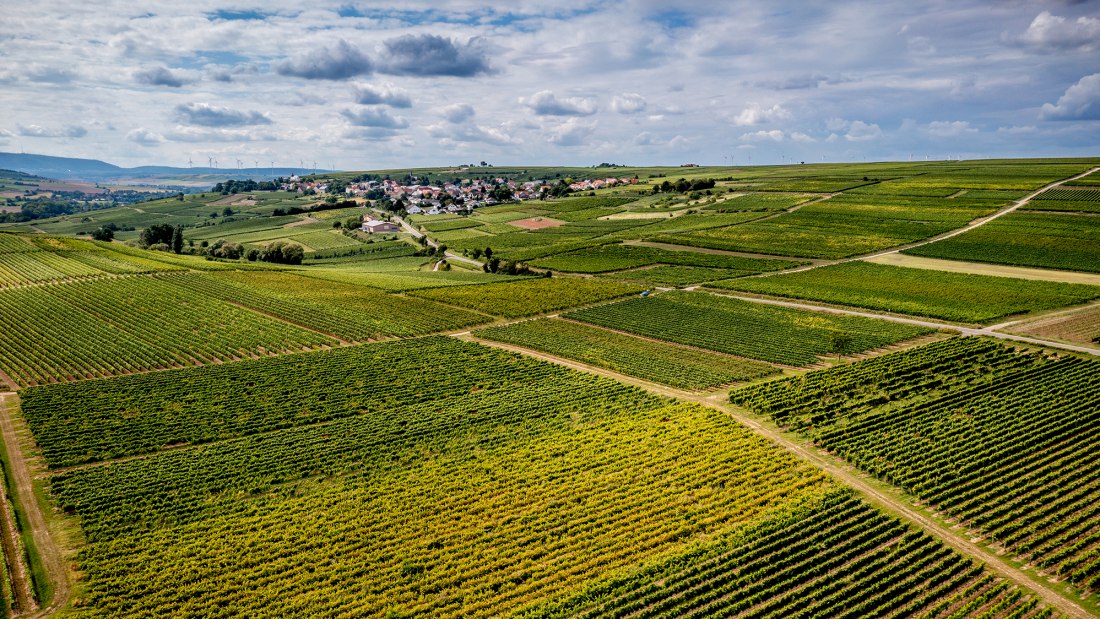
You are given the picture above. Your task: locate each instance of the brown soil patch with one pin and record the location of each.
(537, 223)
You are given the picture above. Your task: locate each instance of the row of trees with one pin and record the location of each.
(234, 186)
(683, 185)
(162, 237)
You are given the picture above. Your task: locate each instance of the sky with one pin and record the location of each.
(369, 85)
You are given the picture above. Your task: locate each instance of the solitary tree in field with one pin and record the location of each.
(840, 342)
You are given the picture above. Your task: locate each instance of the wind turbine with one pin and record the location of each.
(188, 162)
(209, 162)
(239, 162)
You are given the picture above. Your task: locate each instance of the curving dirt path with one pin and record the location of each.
(883, 496)
(989, 331)
(18, 572)
(939, 237)
(46, 547)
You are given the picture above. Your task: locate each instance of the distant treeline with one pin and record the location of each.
(235, 186)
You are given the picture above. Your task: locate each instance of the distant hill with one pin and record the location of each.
(96, 170)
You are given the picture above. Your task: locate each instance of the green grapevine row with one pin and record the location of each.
(835, 557)
(753, 330)
(524, 298)
(656, 361)
(1001, 440)
(127, 415)
(922, 292)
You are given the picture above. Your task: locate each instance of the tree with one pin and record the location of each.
(156, 234)
(227, 211)
(840, 342)
(488, 253)
(282, 252)
(177, 240)
(225, 249)
(103, 233)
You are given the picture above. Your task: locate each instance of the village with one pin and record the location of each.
(451, 198)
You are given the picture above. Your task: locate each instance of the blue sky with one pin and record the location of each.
(360, 85)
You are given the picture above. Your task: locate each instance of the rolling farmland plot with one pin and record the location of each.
(768, 333)
(284, 463)
(490, 498)
(676, 275)
(534, 296)
(1026, 239)
(663, 363)
(1066, 198)
(78, 330)
(922, 292)
(830, 557)
(616, 257)
(344, 310)
(1082, 327)
(30, 260)
(1002, 440)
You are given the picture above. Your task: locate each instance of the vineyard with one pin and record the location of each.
(29, 260)
(999, 439)
(1067, 199)
(102, 420)
(675, 276)
(768, 333)
(223, 437)
(922, 292)
(676, 366)
(474, 497)
(616, 257)
(833, 556)
(533, 296)
(841, 226)
(105, 327)
(347, 311)
(1045, 240)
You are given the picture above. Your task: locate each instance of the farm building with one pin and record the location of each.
(379, 226)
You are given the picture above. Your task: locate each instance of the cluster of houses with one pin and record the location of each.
(600, 183)
(463, 196)
(295, 183)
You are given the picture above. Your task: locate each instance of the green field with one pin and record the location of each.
(764, 332)
(840, 227)
(362, 435)
(478, 494)
(104, 327)
(994, 437)
(344, 310)
(616, 257)
(1026, 239)
(30, 260)
(921, 292)
(676, 275)
(533, 296)
(833, 557)
(672, 365)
